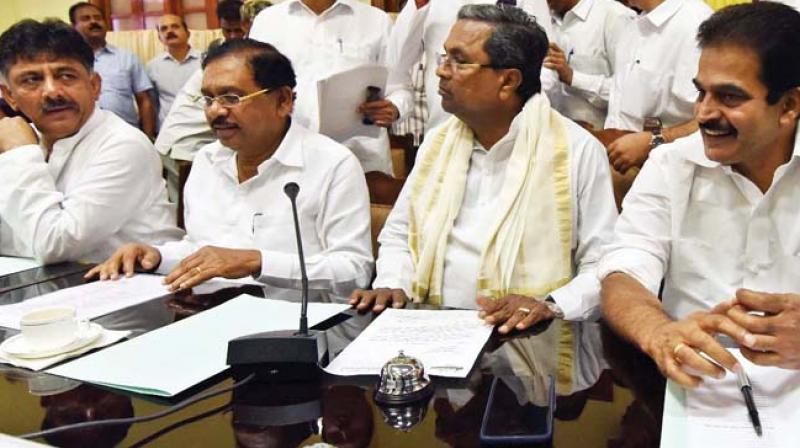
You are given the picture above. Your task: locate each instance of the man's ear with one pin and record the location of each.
(791, 106)
(97, 84)
(285, 101)
(510, 82)
(8, 96)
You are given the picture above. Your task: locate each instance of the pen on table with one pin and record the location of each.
(747, 392)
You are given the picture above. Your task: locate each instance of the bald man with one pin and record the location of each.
(170, 70)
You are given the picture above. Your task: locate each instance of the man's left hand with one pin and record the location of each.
(513, 311)
(210, 262)
(777, 333)
(16, 132)
(382, 112)
(557, 60)
(629, 151)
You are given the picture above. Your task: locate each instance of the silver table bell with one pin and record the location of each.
(403, 380)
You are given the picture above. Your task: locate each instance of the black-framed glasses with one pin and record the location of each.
(453, 65)
(228, 99)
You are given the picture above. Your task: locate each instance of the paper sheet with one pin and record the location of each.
(446, 341)
(339, 96)
(12, 265)
(714, 414)
(171, 359)
(92, 299)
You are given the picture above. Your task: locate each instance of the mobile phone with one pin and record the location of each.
(506, 422)
(373, 94)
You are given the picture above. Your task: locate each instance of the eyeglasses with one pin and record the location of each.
(228, 100)
(453, 65)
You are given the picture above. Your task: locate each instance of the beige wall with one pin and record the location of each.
(12, 11)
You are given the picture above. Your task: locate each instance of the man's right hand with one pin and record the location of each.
(676, 347)
(378, 299)
(126, 258)
(15, 132)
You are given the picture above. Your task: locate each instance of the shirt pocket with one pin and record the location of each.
(591, 63)
(641, 92)
(117, 82)
(275, 231)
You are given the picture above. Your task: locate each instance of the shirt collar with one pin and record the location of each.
(108, 49)
(295, 4)
(582, 9)
(192, 54)
(289, 152)
(663, 12)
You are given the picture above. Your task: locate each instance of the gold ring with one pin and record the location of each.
(678, 348)
(197, 269)
(524, 310)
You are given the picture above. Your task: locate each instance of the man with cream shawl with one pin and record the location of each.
(510, 204)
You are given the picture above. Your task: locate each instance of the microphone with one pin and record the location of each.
(283, 356)
(292, 189)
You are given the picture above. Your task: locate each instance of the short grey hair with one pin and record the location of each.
(517, 41)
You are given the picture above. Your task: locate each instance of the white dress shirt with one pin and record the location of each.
(346, 35)
(185, 129)
(588, 34)
(707, 230)
(423, 32)
(169, 75)
(592, 221)
(99, 189)
(656, 61)
(333, 206)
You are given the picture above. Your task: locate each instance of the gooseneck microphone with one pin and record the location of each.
(292, 189)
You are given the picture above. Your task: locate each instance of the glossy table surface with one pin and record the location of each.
(593, 410)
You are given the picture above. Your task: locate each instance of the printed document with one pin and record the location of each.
(447, 342)
(715, 414)
(92, 299)
(339, 96)
(171, 359)
(12, 265)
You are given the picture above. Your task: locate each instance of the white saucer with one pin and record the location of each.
(16, 345)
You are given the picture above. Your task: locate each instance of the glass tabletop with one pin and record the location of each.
(592, 408)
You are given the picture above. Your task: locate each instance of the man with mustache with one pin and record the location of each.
(170, 70)
(238, 219)
(82, 181)
(509, 202)
(124, 78)
(715, 215)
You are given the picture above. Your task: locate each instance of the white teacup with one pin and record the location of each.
(51, 328)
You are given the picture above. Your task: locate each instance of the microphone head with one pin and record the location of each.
(291, 189)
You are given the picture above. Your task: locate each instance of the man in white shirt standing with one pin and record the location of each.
(652, 80)
(510, 203)
(715, 214)
(323, 37)
(84, 181)
(583, 53)
(170, 70)
(238, 219)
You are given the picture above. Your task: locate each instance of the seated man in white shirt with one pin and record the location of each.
(238, 219)
(509, 202)
(582, 54)
(715, 214)
(83, 181)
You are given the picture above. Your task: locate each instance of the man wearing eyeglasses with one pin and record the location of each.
(239, 221)
(510, 204)
(83, 181)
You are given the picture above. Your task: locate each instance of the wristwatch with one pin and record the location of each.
(653, 125)
(553, 307)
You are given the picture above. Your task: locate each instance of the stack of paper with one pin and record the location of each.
(11, 265)
(171, 359)
(714, 414)
(339, 96)
(446, 341)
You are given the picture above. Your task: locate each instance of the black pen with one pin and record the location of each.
(747, 392)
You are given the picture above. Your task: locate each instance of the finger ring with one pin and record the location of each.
(524, 310)
(197, 269)
(677, 348)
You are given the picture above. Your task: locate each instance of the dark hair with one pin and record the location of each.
(229, 10)
(29, 39)
(269, 66)
(771, 30)
(517, 41)
(74, 8)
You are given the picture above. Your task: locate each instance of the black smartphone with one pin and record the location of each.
(506, 422)
(373, 94)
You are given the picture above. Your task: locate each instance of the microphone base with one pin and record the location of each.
(279, 356)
